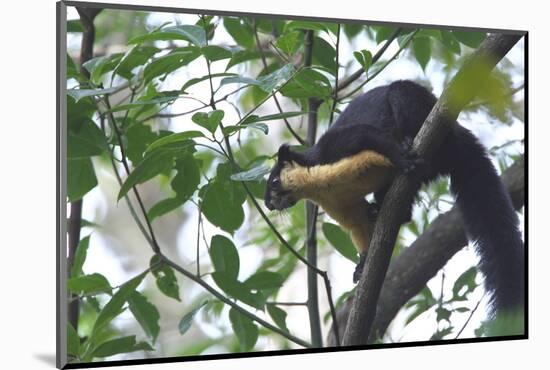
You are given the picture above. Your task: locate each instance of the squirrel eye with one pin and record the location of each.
(276, 182)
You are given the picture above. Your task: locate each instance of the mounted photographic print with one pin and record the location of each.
(239, 184)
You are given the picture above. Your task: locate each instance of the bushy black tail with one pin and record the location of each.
(489, 217)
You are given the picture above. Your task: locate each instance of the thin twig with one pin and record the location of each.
(87, 17)
(335, 91)
(470, 317)
(288, 303)
(156, 249)
(91, 294)
(372, 76)
(264, 62)
(354, 76)
(311, 214)
(229, 302)
(403, 188)
(199, 206)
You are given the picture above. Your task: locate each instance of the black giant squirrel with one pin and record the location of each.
(363, 150)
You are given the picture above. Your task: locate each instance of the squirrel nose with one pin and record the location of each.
(269, 206)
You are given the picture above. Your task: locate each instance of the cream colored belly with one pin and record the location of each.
(340, 189)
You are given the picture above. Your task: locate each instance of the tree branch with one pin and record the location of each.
(355, 75)
(416, 265)
(459, 92)
(264, 62)
(311, 215)
(75, 219)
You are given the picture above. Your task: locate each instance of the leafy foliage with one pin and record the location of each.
(213, 164)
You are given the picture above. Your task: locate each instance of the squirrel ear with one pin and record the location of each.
(284, 153)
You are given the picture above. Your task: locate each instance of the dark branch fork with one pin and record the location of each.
(416, 265)
(401, 194)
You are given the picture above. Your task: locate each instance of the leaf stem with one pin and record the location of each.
(372, 76)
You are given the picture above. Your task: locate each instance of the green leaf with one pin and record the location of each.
(419, 309)
(224, 256)
(80, 178)
(253, 174)
(307, 83)
(422, 48)
(238, 290)
(153, 164)
(113, 307)
(120, 345)
(195, 81)
(80, 257)
(341, 241)
(257, 188)
(184, 184)
(240, 32)
(352, 29)
(170, 62)
(221, 206)
(290, 42)
(164, 206)
(466, 279)
(187, 320)
(443, 314)
(86, 284)
(214, 53)
(85, 141)
(137, 55)
(245, 330)
(139, 136)
(73, 341)
(146, 314)
(165, 278)
(470, 38)
(461, 309)
(264, 280)
(383, 33)
(364, 57)
(74, 25)
(324, 54)
(332, 27)
(422, 302)
(188, 177)
(101, 65)
(223, 199)
(275, 79)
(210, 120)
(239, 80)
(243, 56)
(79, 111)
(268, 82)
(271, 117)
(450, 42)
(278, 315)
(440, 334)
(195, 34)
(78, 94)
(304, 25)
(143, 103)
(72, 69)
(191, 33)
(180, 137)
(228, 130)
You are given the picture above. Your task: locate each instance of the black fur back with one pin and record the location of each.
(398, 111)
